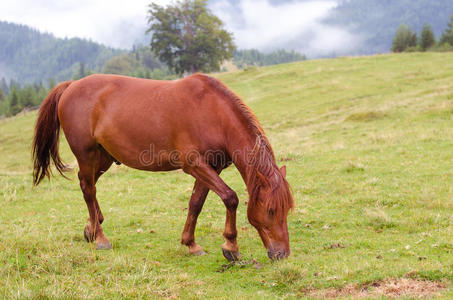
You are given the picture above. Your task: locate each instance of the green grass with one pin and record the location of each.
(368, 144)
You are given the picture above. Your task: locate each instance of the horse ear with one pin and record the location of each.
(262, 179)
(283, 171)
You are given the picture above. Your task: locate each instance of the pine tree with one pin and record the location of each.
(2, 96)
(51, 83)
(14, 104)
(404, 39)
(27, 96)
(447, 37)
(80, 72)
(4, 86)
(427, 39)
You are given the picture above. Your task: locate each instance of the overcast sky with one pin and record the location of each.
(254, 23)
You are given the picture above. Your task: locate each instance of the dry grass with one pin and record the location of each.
(365, 116)
(391, 288)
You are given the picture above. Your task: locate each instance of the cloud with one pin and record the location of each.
(294, 25)
(262, 24)
(116, 23)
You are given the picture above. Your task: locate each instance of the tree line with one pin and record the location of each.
(406, 40)
(14, 97)
(139, 62)
(253, 57)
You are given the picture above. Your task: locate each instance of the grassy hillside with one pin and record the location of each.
(368, 144)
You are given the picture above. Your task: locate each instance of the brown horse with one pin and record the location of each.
(195, 124)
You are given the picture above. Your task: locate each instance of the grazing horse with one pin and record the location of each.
(195, 124)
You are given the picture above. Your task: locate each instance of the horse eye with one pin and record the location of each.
(271, 212)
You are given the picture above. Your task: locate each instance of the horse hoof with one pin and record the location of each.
(231, 256)
(103, 246)
(89, 237)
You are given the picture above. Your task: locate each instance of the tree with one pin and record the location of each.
(188, 37)
(14, 105)
(27, 96)
(2, 96)
(447, 37)
(404, 39)
(80, 72)
(4, 86)
(122, 64)
(427, 39)
(51, 83)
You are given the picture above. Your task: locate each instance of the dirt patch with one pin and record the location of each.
(241, 264)
(335, 246)
(365, 116)
(283, 159)
(393, 288)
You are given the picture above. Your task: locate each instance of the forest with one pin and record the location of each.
(28, 56)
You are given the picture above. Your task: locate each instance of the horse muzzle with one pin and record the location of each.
(277, 254)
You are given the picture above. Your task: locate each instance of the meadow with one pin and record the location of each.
(368, 145)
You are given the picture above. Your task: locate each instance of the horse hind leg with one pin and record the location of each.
(200, 191)
(105, 161)
(92, 165)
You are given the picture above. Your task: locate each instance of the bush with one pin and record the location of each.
(412, 49)
(445, 47)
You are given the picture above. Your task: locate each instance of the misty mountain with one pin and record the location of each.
(374, 22)
(325, 28)
(28, 55)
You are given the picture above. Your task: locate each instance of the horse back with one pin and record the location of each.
(129, 117)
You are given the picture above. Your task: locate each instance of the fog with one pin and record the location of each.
(116, 23)
(297, 25)
(261, 24)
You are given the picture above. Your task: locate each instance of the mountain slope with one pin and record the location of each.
(28, 55)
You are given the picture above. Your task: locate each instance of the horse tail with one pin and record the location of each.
(47, 133)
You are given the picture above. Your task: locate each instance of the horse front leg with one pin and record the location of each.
(209, 177)
(230, 248)
(199, 193)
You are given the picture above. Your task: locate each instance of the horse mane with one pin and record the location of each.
(261, 164)
(241, 108)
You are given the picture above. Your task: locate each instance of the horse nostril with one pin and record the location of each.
(280, 255)
(276, 255)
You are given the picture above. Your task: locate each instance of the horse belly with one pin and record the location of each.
(143, 154)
